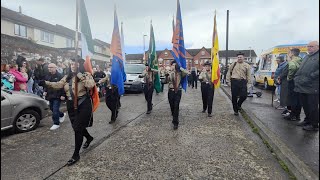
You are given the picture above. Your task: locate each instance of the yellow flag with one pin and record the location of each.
(215, 56)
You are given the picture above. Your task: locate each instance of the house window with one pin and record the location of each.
(203, 53)
(167, 62)
(68, 43)
(97, 49)
(166, 53)
(20, 30)
(47, 37)
(196, 62)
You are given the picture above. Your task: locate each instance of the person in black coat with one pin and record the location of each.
(54, 96)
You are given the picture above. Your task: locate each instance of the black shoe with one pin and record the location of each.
(204, 111)
(87, 143)
(303, 123)
(310, 128)
(209, 115)
(73, 160)
(148, 112)
(175, 127)
(239, 108)
(236, 113)
(112, 121)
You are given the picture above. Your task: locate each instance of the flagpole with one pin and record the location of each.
(75, 101)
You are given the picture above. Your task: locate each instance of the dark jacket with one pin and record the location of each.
(284, 91)
(279, 69)
(307, 77)
(54, 93)
(41, 71)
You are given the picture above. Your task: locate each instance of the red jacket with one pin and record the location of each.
(19, 79)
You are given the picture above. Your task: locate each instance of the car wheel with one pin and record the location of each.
(265, 84)
(27, 120)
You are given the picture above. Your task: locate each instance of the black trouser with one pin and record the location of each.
(174, 101)
(310, 104)
(80, 119)
(207, 91)
(112, 102)
(162, 86)
(238, 89)
(194, 81)
(294, 101)
(148, 92)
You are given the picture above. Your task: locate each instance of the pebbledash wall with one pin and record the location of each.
(12, 46)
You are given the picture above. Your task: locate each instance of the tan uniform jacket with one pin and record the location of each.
(173, 78)
(240, 71)
(149, 76)
(85, 83)
(205, 77)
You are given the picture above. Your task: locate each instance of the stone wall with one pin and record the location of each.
(11, 47)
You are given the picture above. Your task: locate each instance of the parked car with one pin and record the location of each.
(134, 83)
(22, 111)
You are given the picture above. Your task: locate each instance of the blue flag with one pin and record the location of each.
(118, 75)
(178, 50)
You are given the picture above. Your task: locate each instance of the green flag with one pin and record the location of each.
(153, 60)
(86, 37)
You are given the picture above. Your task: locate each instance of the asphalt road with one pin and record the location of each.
(139, 146)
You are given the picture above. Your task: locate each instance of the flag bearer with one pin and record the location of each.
(174, 93)
(112, 97)
(149, 78)
(207, 88)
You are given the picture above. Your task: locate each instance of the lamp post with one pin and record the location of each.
(250, 54)
(144, 51)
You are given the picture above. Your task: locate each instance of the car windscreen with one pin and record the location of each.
(134, 68)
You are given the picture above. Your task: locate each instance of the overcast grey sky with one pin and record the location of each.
(259, 24)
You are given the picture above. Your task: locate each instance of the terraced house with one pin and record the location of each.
(33, 38)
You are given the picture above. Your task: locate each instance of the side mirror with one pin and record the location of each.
(2, 98)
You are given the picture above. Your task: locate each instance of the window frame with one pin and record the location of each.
(17, 30)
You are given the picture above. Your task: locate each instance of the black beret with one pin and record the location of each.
(174, 61)
(240, 53)
(207, 63)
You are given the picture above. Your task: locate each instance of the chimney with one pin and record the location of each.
(20, 10)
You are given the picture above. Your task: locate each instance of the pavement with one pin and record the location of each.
(299, 149)
(141, 146)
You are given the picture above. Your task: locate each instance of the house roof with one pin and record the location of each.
(134, 56)
(101, 43)
(194, 52)
(32, 22)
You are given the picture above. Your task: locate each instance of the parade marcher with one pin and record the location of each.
(239, 75)
(149, 78)
(174, 92)
(54, 96)
(112, 97)
(207, 89)
(162, 78)
(194, 74)
(80, 118)
(307, 85)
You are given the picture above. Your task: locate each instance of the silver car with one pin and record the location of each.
(22, 111)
